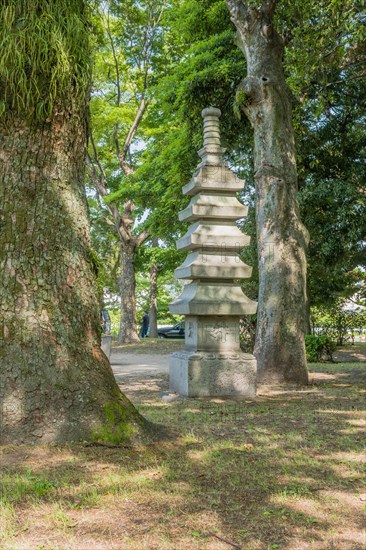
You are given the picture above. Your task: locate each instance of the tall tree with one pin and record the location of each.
(210, 68)
(154, 269)
(125, 68)
(282, 238)
(56, 384)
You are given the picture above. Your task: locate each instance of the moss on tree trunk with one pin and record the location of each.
(56, 384)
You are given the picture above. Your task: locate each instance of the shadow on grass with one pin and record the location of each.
(272, 473)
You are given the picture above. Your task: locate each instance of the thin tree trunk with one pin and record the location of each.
(282, 238)
(128, 332)
(153, 300)
(56, 383)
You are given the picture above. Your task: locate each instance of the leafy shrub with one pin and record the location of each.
(319, 347)
(247, 333)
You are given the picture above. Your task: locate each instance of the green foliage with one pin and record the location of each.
(341, 324)
(248, 325)
(168, 289)
(195, 63)
(206, 69)
(334, 211)
(167, 258)
(45, 56)
(319, 347)
(325, 77)
(241, 101)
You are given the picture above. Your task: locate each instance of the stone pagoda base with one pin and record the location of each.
(213, 374)
(212, 363)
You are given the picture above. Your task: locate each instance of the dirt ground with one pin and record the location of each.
(349, 353)
(282, 471)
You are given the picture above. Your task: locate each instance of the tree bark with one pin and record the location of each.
(56, 383)
(153, 296)
(282, 238)
(128, 332)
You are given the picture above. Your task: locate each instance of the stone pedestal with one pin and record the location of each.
(210, 374)
(106, 345)
(212, 363)
(213, 302)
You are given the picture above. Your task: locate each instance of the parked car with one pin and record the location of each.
(176, 331)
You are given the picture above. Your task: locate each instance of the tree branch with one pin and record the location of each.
(239, 10)
(269, 7)
(141, 238)
(95, 177)
(122, 155)
(119, 223)
(108, 221)
(103, 176)
(345, 80)
(122, 227)
(116, 66)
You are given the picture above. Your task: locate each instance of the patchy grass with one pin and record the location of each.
(282, 471)
(151, 346)
(351, 352)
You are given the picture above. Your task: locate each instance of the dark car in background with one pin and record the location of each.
(176, 331)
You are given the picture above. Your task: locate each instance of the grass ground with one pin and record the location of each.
(283, 471)
(151, 346)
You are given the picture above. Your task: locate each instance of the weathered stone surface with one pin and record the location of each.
(210, 235)
(212, 363)
(200, 265)
(216, 178)
(106, 346)
(219, 207)
(212, 333)
(213, 374)
(213, 298)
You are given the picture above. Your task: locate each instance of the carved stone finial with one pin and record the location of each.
(214, 111)
(211, 126)
(211, 152)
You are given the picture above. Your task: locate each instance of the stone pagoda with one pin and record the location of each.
(212, 363)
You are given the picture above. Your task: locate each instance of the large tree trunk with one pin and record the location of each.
(282, 239)
(153, 294)
(153, 301)
(128, 332)
(56, 383)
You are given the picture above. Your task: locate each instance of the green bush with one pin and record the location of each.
(319, 347)
(248, 327)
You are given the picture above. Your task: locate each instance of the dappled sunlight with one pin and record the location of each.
(349, 502)
(12, 407)
(275, 470)
(313, 509)
(358, 458)
(197, 456)
(359, 423)
(295, 393)
(342, 471)
(144, 477)
(353, 431)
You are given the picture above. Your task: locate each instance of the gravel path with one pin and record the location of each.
(127, 364)
(136, 363)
